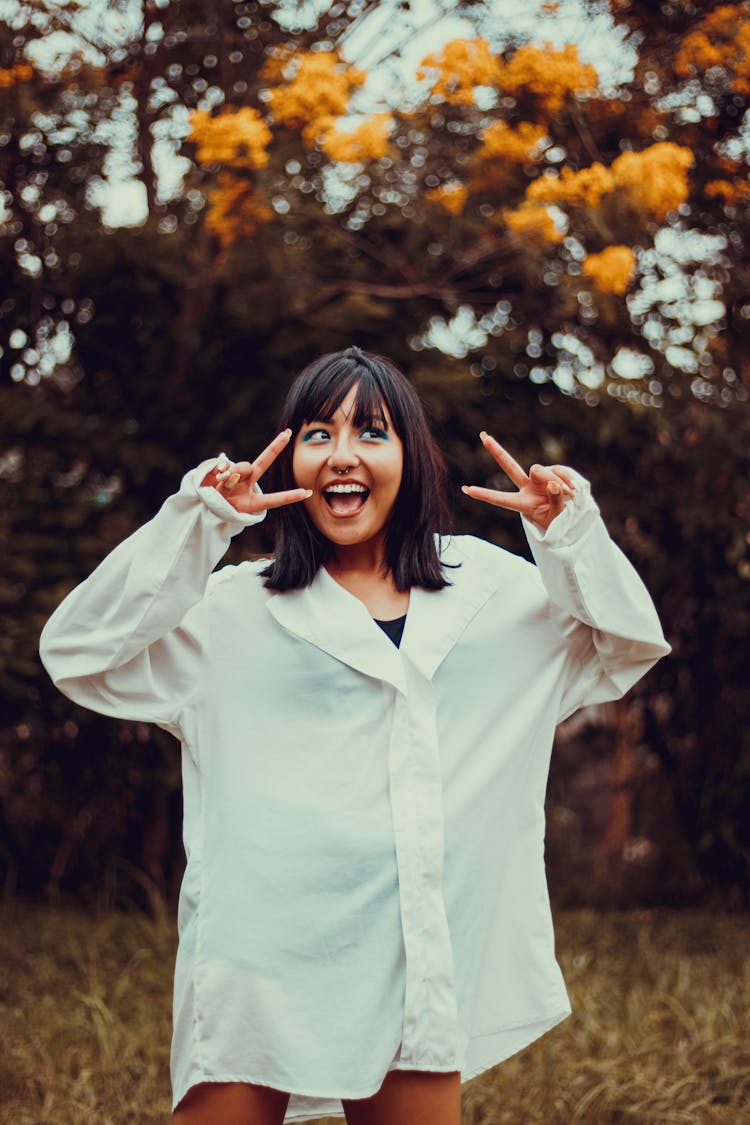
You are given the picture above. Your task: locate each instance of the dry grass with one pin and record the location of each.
(659, 1035)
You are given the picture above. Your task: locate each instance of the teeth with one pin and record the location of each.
(346, 488)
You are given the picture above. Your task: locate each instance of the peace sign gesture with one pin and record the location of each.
(542, 492)
(236, 480)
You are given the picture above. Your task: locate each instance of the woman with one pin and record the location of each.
(366, 723)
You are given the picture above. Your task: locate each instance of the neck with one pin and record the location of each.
(363, 559)
(361, 570)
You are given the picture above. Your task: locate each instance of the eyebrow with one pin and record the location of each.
(377, 420)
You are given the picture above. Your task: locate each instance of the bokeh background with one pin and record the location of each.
(539, 211)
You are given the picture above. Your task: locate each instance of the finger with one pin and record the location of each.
(230, 482)
(255, 469)
(240, 468)
(563, 488)
(507, 463)
(564, 474)
(541, 475)
(270, 453)
(510, 500)
(279, 499)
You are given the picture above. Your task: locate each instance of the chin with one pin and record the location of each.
(348, 537)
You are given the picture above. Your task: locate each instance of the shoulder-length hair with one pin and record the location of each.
(420, 510)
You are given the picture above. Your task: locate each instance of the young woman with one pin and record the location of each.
(366, 724)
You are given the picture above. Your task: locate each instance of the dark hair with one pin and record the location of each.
(420, 509)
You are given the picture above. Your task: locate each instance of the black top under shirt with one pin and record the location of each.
(393, 629)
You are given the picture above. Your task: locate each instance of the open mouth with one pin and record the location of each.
(345, 499)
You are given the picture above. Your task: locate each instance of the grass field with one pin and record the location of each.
(660, 1032)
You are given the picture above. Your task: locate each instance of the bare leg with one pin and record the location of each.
(410, 1097)
(231, 1103)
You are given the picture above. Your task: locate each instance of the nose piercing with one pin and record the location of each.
(342, 472)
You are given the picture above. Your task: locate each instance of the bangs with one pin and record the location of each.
(325, 394)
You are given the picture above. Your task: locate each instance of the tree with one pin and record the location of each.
(579, 250)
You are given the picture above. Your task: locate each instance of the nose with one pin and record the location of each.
(342, 455)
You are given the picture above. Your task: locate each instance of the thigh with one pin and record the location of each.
(410, 1097)
(231, 1103)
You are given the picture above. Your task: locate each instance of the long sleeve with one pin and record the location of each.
(129, 641)
(614, 634)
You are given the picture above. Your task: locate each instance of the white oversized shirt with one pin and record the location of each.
(364, 825)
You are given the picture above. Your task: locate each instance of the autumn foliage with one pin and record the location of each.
(309, 95)
(549, 248)
(720, 42)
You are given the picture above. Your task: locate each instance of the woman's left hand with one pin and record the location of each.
(542, 491)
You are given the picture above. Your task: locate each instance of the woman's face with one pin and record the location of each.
(354, 473)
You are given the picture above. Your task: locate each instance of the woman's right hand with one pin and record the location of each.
(236, 480)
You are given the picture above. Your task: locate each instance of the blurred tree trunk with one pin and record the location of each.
(145, 69)
(196, 301)
(609, 860)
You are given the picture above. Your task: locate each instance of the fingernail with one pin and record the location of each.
(465, 488)
(483, 435)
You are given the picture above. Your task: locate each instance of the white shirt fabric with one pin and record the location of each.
(364, 825)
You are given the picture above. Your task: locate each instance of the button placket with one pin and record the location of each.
(430, 1020)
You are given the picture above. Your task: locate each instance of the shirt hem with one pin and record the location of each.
(533, 1031)
(229, 1076)
(329, 1105)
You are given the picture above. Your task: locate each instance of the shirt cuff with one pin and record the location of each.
(214, 500)
(573, 523)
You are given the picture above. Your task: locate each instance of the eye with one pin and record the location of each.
(373, 433)
(315, 434)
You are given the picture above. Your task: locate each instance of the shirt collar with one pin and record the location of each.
(437, 618)
(329, 617)
(332, 619)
